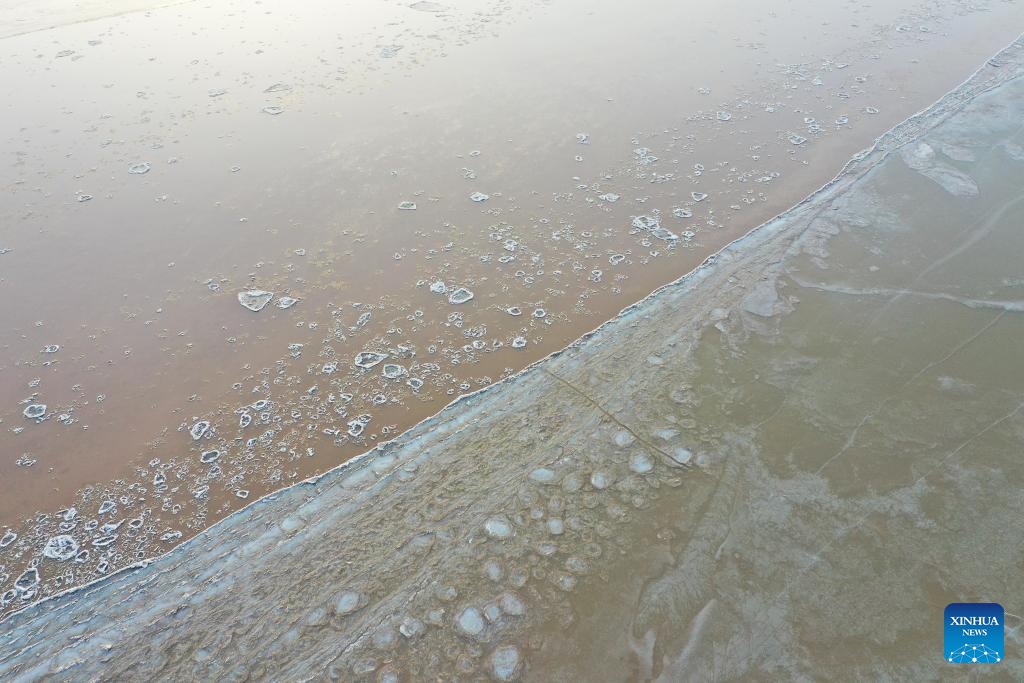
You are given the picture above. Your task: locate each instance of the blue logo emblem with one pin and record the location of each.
(973, 633)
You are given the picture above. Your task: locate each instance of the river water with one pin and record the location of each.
(781, 467)
(564, 159)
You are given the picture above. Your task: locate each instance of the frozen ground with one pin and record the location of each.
(781, 467)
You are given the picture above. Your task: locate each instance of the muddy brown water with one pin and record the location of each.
(781, 467)
(135, 275)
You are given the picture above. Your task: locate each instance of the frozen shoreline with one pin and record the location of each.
(467, 454)
(552, 245)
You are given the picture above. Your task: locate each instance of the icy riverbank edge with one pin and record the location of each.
(284, 547)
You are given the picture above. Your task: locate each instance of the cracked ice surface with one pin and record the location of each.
(808, 420)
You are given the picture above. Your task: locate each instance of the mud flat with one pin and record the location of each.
(782, 466)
